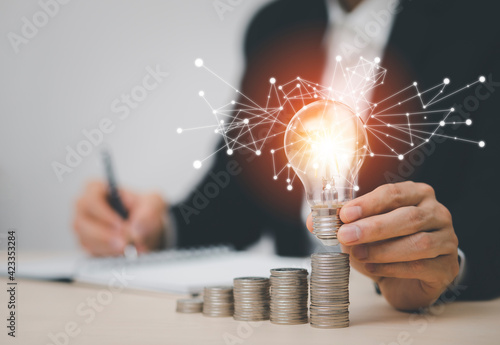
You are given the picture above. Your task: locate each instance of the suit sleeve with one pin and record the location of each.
(218, 210)
(476, 213)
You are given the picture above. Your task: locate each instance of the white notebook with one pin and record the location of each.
(177, 271)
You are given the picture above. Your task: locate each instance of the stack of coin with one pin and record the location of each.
(289, 292)
(251, 299)
(218, 301)
(189, 305)
(330, 290)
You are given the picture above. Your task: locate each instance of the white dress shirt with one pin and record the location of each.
(362, 32)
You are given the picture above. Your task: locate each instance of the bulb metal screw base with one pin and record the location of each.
(326, 222)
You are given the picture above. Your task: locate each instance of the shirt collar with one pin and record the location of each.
(378, 12)
(360, 15)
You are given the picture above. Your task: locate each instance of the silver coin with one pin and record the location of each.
(288, 270)
(251, 299)
(219, 288)
(250, 279)
(280, 322)
(289, 294)
(329, 290)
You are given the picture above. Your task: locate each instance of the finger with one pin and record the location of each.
(400, 222)
(360, 267)
(441, 270)
(137, 224)
(95, 204)
(309, 223)
(345, 249)
(385, 199)
(133, 234)
(130, 199)
(98, 238)
(145, 227)
(422, 245)
(147, 222)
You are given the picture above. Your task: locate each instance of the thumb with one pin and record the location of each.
(129, 198)
(138, 224)
(142, 225)
(146, 222)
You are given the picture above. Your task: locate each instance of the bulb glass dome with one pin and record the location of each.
(326, 143)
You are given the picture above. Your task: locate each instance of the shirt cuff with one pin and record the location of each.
(459, 279)
(462, 270)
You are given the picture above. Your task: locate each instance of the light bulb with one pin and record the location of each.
(326, 143)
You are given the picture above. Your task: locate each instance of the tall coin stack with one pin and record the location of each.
(329, 290)
(251, 299)
(289, 293)
(218, 301)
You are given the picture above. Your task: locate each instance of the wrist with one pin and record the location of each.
(407, 294)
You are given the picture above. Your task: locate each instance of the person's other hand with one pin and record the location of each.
(102, 232)
(403, 238)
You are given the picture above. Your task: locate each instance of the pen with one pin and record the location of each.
(115, 201)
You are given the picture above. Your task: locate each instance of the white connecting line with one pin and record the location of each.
(243, 123)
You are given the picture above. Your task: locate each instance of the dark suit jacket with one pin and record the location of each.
(430, 40)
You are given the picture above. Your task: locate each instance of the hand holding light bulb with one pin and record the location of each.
(102, 232)
(403, 238)
(399, 234)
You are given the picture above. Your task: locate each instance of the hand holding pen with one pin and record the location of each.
(103, 231)
(116, 203)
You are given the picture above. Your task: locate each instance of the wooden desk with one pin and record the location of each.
(140, 318)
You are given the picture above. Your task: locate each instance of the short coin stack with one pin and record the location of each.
(251, 299)
(329, 290)
(189, 305)
(289, 292)
(218, 301)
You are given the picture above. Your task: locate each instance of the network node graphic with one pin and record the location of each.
(400, 122)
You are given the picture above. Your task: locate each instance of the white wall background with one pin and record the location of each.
(65, 79)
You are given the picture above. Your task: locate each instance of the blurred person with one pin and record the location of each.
(397, 231)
